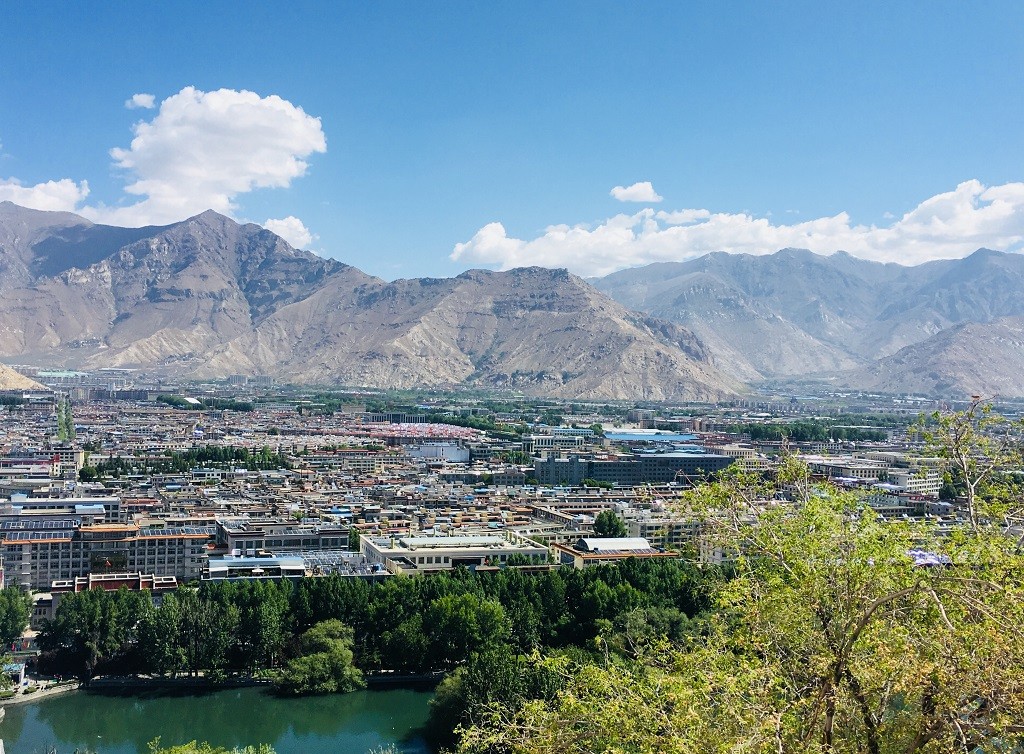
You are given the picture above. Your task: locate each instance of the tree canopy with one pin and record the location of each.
(832, 636)
(324, 665)
(15, 611)
(608, 524)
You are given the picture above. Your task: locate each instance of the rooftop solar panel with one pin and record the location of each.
(24, 536)
(43, 524)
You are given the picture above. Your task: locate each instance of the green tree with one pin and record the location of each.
(461, 624)
(829, 638)
(407, 647)
(15, 610)
(262, 626)
(325, 665)
(165, 655)
(205, 630)
(608, 524)
(95, 628)
(978, 445)
(494, 677)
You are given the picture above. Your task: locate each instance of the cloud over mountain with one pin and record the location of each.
(949, 225)
(199, 151)
(57, 196)
(292, 230)
(203, 149)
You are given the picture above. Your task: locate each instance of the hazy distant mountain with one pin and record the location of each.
(794, 313)
(972, 358)
(208, 297)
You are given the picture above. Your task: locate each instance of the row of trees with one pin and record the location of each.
(811, 431)
(219, 456)
(406, 625)
(486, 423)
(65, 420)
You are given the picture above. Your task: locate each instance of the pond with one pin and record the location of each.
(120, 724)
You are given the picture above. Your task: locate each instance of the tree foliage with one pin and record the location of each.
(608, 524)
(65, 420)
(324, 665)
(218, 456)
(980, 448)
(811, 431)
(406, 625)
(15, 611)
(831, 637)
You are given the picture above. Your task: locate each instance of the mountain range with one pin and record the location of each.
(948, 327)
(208, 297)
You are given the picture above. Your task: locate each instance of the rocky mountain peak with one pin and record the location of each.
(208, 297)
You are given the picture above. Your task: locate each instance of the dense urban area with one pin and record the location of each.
(835, 572)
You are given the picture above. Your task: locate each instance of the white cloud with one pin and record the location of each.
(203, 149)
(58, 196)
(140, 101)
(683, 216)
(946, 226)
(200, 151)
(292, 230)
(638, 192)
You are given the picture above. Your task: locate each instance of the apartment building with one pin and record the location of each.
(629, 471)
(37, 553)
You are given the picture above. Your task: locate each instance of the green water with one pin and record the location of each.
(349, 723)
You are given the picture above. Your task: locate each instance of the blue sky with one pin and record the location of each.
(495, 133)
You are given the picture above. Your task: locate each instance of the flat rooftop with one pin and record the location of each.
(468, 541)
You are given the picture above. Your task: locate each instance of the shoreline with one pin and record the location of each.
(45, 693)
(129, 684)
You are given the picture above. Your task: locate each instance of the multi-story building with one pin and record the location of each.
(37, 553)
(413, 555)
(536, 444)
(681, 534)
(630, 471)
(251, 537)
(920, 481)
(847, 467)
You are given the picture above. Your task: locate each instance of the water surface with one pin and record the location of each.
(115, 724)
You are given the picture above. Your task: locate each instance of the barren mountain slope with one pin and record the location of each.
(968, 359)
(209, 297)
(794, 313)
(536, 330)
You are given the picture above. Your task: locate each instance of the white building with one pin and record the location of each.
(451, 452)
(411, 555)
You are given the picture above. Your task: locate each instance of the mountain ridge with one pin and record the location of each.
(208, 297)
(795, 313)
